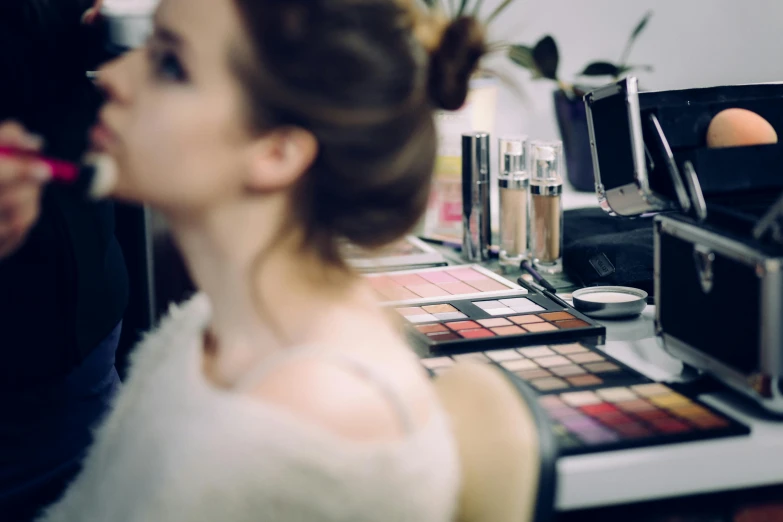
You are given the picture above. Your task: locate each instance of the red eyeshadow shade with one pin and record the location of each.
(440, 337)
(476, 334)
(598, 409)
(463, 325)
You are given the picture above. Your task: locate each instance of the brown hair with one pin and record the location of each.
(364, 77)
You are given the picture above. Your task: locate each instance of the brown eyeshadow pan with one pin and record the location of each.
(575, 323)
(494, 323)
(463, 325)
(432, 328)
(557, 316)
(584, 380)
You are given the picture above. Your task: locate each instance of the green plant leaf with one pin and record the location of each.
(641, 25)
(498, 10)
(632, 39)
(601, 69)
(547, 57)
(522, 55)
(630, 68)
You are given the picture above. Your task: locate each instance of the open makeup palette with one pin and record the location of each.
(597, 403)
(410, 252)
(434, 285)
(471, 324)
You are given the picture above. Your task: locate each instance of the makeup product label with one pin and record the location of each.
(602, 265)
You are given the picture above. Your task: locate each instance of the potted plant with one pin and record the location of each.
(542, 61)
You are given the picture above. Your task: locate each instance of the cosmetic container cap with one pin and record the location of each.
(547, 163)
(512, 154)
(475, 157)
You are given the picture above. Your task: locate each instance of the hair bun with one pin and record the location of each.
(454, 60)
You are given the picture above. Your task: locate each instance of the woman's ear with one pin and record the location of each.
(279, 158)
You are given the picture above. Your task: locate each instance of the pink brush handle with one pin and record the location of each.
(61, 170)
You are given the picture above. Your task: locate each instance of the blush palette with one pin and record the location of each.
(474, 324)
(408, 253)
(432, 285)
(563, 367)
(632, 416)
(598, 404)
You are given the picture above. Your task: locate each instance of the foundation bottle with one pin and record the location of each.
(514, 195)
(546, 206)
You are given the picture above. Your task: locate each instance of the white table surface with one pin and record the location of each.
(672, 470)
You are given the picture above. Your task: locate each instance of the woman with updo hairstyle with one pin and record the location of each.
(268, 133)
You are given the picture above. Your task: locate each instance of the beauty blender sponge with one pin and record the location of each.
(739, 128)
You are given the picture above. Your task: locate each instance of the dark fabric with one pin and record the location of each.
(63, 293)
(603, 250)
(45, 432)
(69, 275)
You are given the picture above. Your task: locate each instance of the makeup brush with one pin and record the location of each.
(95, 177)
(527, 266)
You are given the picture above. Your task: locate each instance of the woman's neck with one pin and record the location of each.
(258, 284)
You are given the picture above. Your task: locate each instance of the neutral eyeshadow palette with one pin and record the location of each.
(473, 324)
(548, 369)
(598, 404)
(432, 285)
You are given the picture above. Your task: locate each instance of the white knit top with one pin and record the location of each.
(176, 448)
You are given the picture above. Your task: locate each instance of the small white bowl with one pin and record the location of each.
(610, 302)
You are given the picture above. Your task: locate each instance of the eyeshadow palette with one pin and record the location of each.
(548, 369)
(632, 416)
(432, 285)
(598, 404)
(473, 324)
(410, 252)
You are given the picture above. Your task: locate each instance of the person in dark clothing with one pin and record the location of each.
(63, 282)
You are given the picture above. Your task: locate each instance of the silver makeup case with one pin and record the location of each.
(719, 298)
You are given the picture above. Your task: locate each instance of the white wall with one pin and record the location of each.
(689, 42)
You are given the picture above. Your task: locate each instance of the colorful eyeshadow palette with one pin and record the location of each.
(632, 416)
(432, 285)
(550, 369)
(474, 324)
(597, 403)
(410, 252)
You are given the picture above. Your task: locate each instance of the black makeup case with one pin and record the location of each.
(719, 297)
